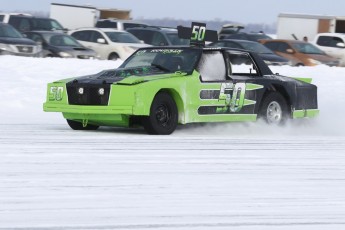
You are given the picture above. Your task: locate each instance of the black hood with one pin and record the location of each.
(16, 41)
(115, 75)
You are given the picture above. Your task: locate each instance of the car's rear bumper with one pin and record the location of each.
(305, 113)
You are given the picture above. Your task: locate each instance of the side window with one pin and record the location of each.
(241, 63)
(282, 47)
(20, 23)
(329, 41)
(106, 24)
(158, 39)
(212, 66)
(95, 35)
(82, 36)
(271, 45)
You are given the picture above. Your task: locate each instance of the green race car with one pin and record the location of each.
(161, 87)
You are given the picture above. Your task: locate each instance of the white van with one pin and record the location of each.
(333, 44)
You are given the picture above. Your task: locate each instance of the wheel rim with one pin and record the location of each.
(274, 113)
(163, 115)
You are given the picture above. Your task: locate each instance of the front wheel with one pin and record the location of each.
(274, 109)
(75, 125)
(163, 116)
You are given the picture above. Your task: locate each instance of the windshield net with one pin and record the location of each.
(165, 60)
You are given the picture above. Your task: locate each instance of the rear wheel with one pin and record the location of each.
(274, 109)
(75, 125)
(163, 116)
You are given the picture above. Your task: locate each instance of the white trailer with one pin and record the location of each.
(75, 16)
(298, 26)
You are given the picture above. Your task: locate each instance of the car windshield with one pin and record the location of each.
(122, 37)
(165, 60)
(9, 32)
(307, 48)
(61, 40)
(256, 47)
(175, 40)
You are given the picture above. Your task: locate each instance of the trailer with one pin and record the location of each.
(76, 16)
(299, 26)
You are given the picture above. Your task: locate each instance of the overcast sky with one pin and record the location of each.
(244, 11)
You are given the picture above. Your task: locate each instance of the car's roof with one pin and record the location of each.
(100, 29)
(156, 28)
(16, 14)
(121, 20)
(45, 32)
(333, 34)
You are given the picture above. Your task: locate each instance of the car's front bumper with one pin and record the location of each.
(96, 115)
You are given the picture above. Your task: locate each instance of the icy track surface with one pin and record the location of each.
(244, 176)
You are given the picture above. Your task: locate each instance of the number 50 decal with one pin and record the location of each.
(198, 33)
(235, 101)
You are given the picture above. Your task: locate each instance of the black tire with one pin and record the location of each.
(113, 57)
(75, 125)
(274, 109)
(163, 116)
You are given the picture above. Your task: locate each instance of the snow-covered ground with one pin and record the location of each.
(218, 176)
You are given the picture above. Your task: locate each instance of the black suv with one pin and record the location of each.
(24, 22)
(158, 36)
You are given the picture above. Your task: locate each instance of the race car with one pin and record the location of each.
(161, 87)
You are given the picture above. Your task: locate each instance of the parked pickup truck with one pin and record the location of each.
(333, 44)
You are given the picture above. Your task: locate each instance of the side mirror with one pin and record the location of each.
(340, 45)
(101, 40)
(290, 51)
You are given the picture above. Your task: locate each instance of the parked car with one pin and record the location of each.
(300, 53)
(161, 88)
(233, 31)
(266, 54)
(158, 36)
(332, 44)
(12, 42)
(27, 22)
(110, 44)
(119, 24)
(228, 29)
(56, 44)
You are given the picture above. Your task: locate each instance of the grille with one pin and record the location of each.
(90, 95)
(25, 49)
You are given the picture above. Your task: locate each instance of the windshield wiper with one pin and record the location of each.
(161, 67)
